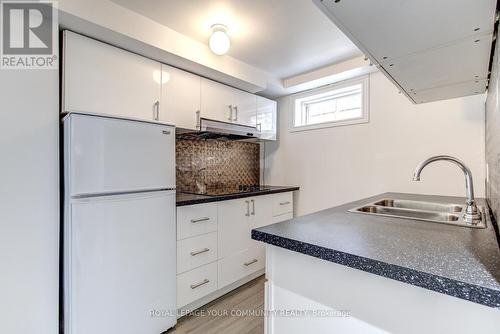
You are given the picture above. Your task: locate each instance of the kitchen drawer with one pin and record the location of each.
(241, 264)
(196, 251)
(282, 218)
(282, 203)
(196, 219)
(195, 284)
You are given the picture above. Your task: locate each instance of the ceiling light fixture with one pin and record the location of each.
(219, 42)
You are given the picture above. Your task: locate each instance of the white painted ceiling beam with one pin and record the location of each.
(323, 76)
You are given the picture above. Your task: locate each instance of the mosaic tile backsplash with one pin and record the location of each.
(208, 164)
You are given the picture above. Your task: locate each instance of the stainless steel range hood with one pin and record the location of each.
(212, 129)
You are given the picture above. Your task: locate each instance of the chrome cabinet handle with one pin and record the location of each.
(246, 264)
(236, 113)
(248, 208)
(198, 121)
(230, 117)
(204, 250)
(253, 207)
(197, 285)
(285, 203)
(204, 219)
(156, 111)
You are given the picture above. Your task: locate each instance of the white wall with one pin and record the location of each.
(341, 164)
(29, 201)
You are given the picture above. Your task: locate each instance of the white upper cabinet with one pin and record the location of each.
(244, 108)
(102, 79)
(223, 103)
(180, 97)
(267, 118)
(432, 50)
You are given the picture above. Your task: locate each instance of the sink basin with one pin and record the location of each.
(446, 213)
(415, 214)
(418, 205)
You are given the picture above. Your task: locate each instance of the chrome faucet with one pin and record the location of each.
(471, 213)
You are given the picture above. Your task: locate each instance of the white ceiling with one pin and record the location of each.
(281, 37)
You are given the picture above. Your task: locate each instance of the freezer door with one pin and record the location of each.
(110, 155)
(120, 265)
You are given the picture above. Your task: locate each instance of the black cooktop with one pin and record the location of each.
(221, 191)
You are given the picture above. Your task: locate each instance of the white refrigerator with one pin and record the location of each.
(119, 244)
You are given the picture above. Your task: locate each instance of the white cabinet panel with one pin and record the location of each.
(99, 148)
(234, 226)
(180, 97)
(196, 251)
(193, 220)
(421, 45)
(99, 78)
(245, 108)
(261, 210)
(441, 67)
(195, 284)
(267, 118)
(216, 101)
(112, 251)
(227, 104)
(282, 203)
(282, 218)
(241, 264)
(387, 28)
(450, 91)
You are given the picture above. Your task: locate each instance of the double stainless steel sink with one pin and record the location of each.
(445, 213)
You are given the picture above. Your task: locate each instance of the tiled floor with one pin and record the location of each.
(238, 312)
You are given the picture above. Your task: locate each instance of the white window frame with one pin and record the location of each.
(365, 104)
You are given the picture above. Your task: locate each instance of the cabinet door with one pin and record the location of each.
(261, 214)
(216, 101)
(234, 226)
(244, 107)
(261, 211)
(267, 118)
(180, 97)
(102, 79)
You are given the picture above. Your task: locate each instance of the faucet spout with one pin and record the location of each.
(471, 214)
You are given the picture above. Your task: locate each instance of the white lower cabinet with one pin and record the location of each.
(214, 245)
(197, 251)
(196, 283)
(196, 220)
(241, 264)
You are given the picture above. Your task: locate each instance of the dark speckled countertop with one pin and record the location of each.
(458, 261)
(190, 199)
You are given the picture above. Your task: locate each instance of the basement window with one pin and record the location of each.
(339, 104)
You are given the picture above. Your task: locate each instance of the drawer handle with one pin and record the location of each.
(197, 285)
(285, 203)
(246, 264)
(204, 219)
(204, 250)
